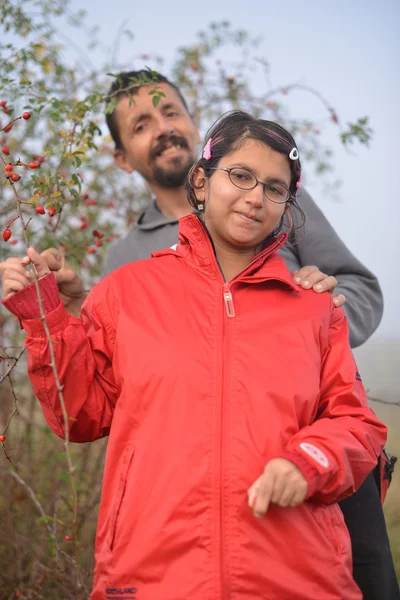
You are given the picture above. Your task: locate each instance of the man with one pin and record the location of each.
(160, 143)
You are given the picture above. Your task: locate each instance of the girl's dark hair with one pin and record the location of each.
(228, 134)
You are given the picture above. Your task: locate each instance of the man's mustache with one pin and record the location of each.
(173, 140)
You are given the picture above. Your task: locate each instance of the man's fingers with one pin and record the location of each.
(303, 274)
(339, 300)
(54, 258)
(39, 262)
(326, 285)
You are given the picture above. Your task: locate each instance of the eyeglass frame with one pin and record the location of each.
(258, 182)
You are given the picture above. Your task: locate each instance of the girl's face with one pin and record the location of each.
(242, 219)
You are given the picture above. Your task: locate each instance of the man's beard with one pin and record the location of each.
(174, 176)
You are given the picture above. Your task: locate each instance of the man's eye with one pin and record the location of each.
(172, 114)
(139, 128)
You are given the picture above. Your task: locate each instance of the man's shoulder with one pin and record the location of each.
(139, 244)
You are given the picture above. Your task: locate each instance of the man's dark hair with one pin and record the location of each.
(128, 83)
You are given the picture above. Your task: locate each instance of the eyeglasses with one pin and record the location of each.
(245, 180)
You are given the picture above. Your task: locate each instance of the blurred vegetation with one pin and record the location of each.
(87, 203)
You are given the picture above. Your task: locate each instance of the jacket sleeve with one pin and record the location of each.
(338, 450)
(83, 353)
(320, 245)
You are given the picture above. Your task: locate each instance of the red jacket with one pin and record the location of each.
(198, 383)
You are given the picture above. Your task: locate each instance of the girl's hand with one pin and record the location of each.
(16, 277)
(282, 483)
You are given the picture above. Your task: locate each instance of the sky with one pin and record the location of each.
(348, 50)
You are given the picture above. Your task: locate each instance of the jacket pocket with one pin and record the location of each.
(126, 461)
(329, 519)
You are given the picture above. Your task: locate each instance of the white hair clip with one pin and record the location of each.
(294, 154)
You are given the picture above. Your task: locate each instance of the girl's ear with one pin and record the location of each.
(200, 184)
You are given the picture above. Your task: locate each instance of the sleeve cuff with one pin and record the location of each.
(24, 304)
(308, 471)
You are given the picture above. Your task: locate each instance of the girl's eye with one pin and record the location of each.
(241, 175)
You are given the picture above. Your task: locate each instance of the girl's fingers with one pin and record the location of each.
(252, 492)
(264, 493)
(20, 275)
(39, 262)
(11, 287)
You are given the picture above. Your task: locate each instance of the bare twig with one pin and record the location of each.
(380, 401)
(15, 411)
(11, 367)
(32, 496)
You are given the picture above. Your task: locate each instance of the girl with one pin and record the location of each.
(235, 413)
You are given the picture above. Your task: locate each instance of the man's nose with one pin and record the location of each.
(163, 127)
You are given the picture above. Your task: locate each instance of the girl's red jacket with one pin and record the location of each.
(198, 383)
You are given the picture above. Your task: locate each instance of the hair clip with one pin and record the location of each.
(294, 154)
(207, 150)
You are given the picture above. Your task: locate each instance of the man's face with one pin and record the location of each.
(159, 143)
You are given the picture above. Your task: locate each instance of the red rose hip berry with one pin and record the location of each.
(40, 210)
(5, 150)
(15, 177)
(26, 115)
(7, 234)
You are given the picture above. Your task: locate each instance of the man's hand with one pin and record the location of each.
(311, 277)
(15, 275)
(282, 483)
(69, 283)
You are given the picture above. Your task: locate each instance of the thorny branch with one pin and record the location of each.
(53, 365)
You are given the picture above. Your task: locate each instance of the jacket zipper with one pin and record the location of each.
(230, 313)
(228, 298)
(229, 306)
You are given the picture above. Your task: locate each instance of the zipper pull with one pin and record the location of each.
(230, 309)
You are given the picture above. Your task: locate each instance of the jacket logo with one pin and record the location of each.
(358, 376)
(315, 453)
(117, 593)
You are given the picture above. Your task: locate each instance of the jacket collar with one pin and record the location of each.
(196, 247)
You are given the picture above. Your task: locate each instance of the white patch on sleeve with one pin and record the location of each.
(174, 247)
(316, 454)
